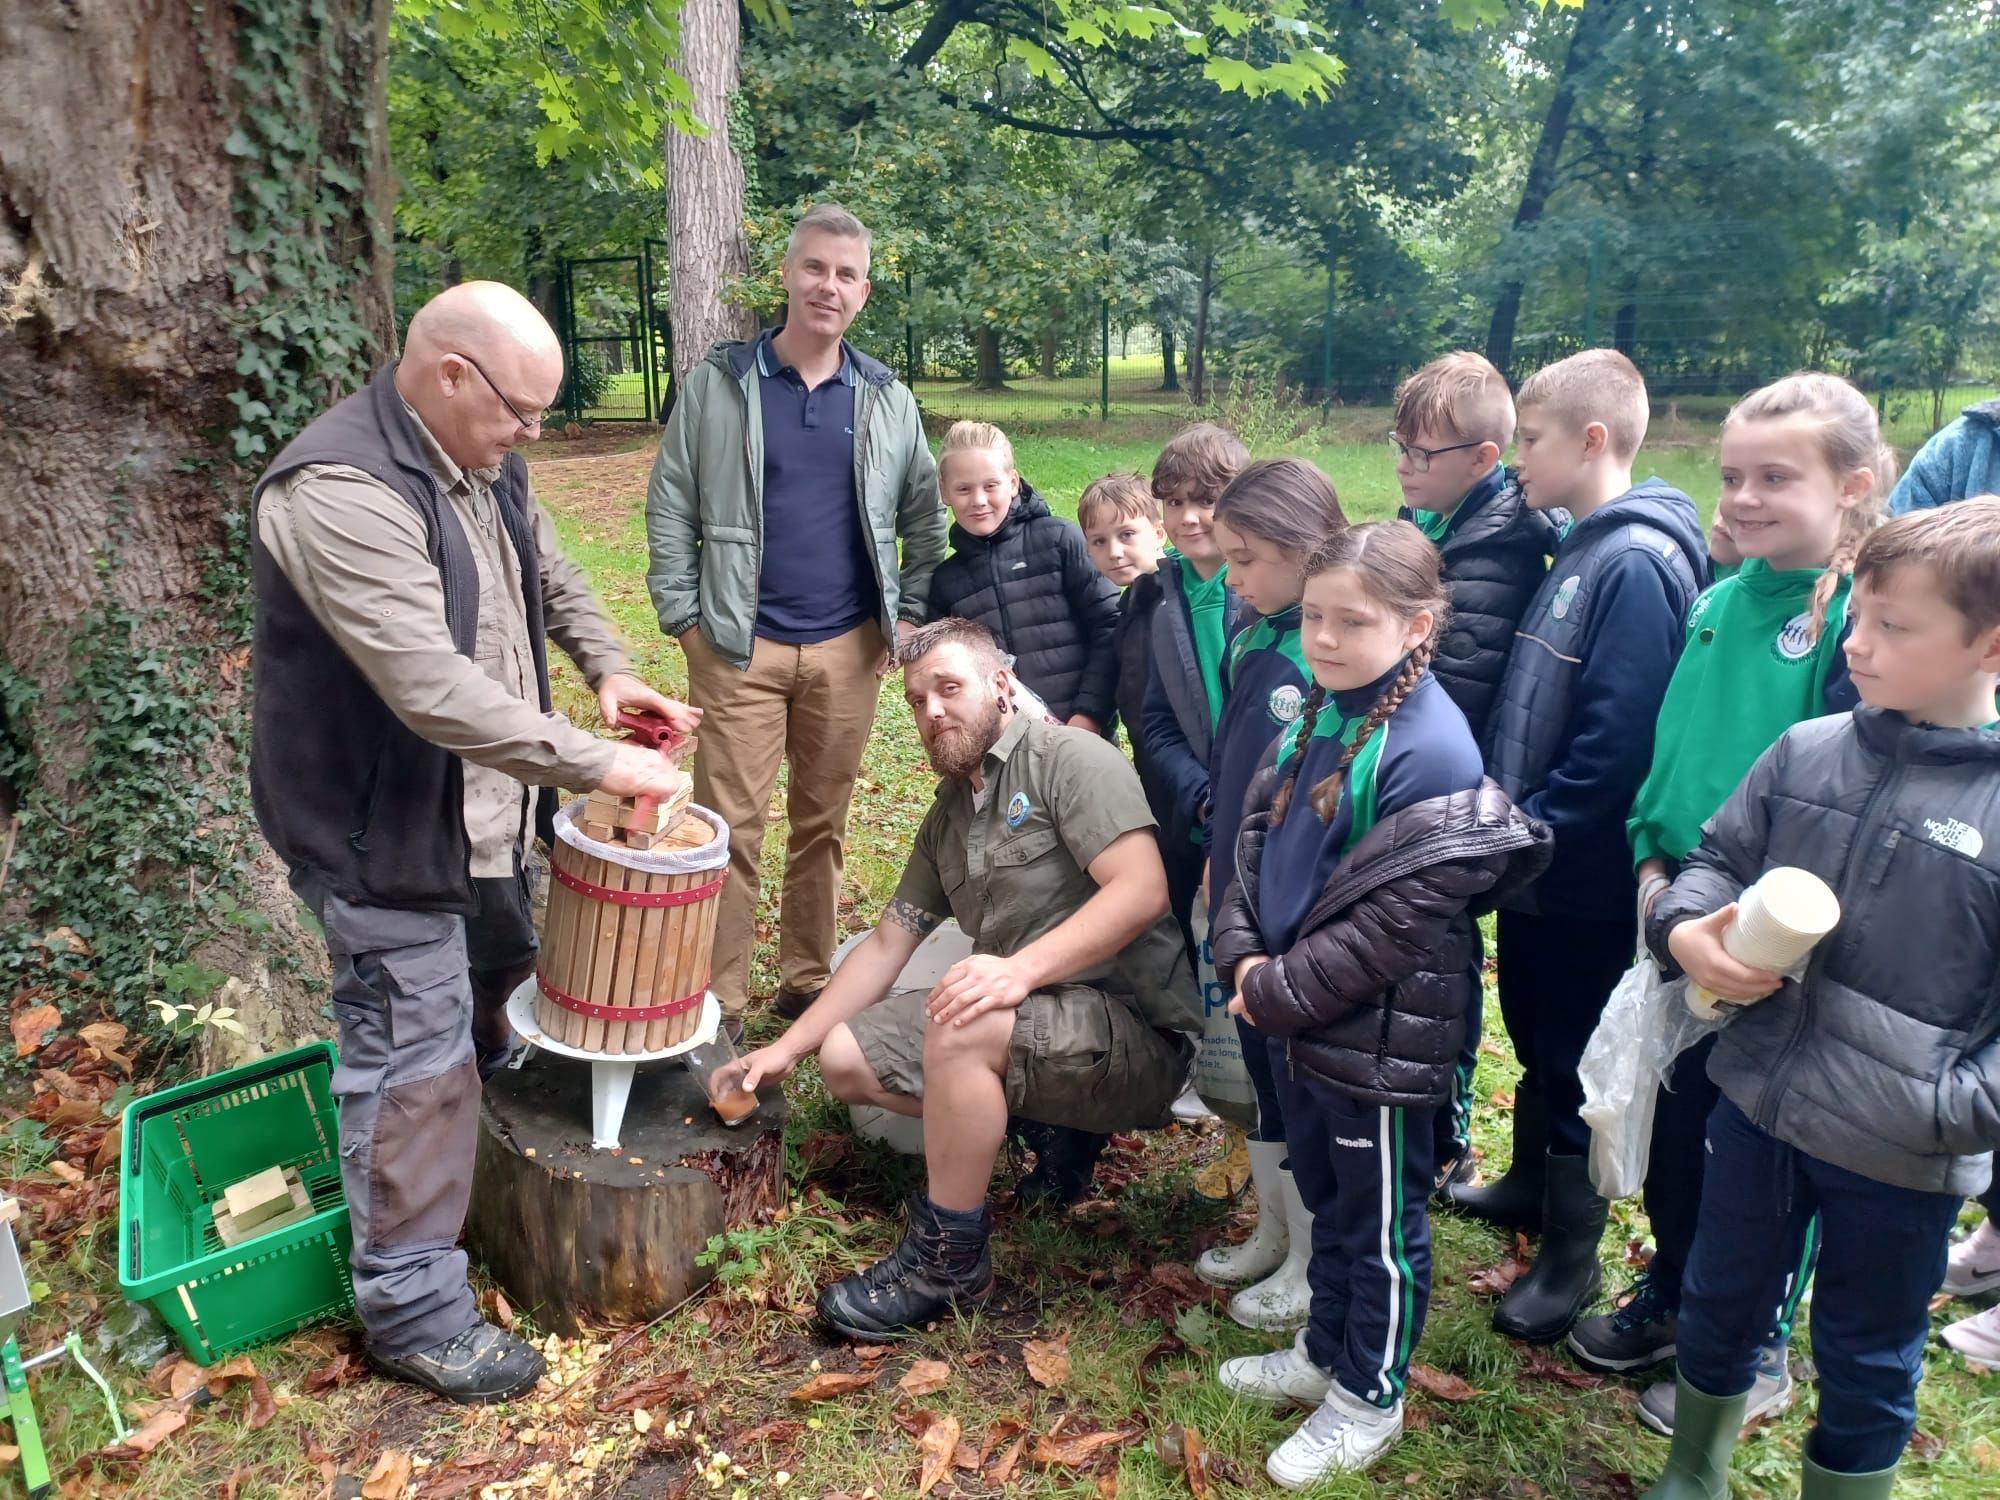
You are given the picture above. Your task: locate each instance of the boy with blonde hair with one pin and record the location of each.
(1570, 740)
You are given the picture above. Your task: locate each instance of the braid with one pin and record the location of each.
(1854, 528)
(1307, 718)
(1326, 796)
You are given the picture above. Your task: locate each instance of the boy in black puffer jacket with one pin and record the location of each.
(1026, 575)
(1866, 1093)
(1454, 418)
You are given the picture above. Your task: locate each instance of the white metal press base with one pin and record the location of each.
(610, 1075)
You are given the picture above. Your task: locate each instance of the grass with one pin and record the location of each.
(1141, 1354)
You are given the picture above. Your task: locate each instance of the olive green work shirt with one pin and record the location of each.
(1017, 864)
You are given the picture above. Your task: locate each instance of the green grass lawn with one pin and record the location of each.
(1142, 1351)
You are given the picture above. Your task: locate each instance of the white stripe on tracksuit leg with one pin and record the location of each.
(1391, 1169)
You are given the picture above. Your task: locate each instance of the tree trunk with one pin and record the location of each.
(706, 245)
(127, 322)
(1198, 348)
(1594, 25)
(990, 374)
(1173, 380)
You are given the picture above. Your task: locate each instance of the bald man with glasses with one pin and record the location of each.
(403, 752)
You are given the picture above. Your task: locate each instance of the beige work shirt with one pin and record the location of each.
(355, 551)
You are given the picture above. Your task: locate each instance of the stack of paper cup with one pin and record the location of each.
(1779, 920)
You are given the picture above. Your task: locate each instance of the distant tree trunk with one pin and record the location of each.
(1594, 26)
(1198, 349)
(990, 374)
(706, 244)
(124, 312)
(1048, 353)
(1625, 328)
(539, 272)
(1173, 380)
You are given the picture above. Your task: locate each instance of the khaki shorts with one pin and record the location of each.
(1078, 1057)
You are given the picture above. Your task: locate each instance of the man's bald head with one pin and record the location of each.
(479, 365)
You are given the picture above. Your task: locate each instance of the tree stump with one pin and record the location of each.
(577, 1236)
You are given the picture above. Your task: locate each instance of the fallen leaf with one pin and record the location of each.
(1181, 1448)
(103, 1035)
(223, 1376)
(335, 1373)
(1002, 1472)
(263, 1405)
(1047, 1361)
(925, 1377)
(1075, 1452)
(1107, 1485)
(652, 1391)
(109, 1151)
(997, 1434)
(1540, 1365)
(1491, 1281)
(1986, 1453)
(1501, 1099)
(67, 939)
(1166, 1345)
(162, 1425)
(1940, 1301)
(1926, 1445)
(1438, 1383)
(869, 1353)
(939, 1445)
(33, 1026)
(389, 1478)
(966, 1456)
(64, 1170)
(8, 1453)
(501, 1308)
(781, 1433)
(71, 1113)
(831, 1383)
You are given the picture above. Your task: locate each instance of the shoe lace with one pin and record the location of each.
(1326, 1424)
(1647, 1304)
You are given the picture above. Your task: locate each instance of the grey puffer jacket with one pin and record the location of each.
(1883, 1059)
(1372, 997)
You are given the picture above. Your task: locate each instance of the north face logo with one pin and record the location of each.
(1952, 834)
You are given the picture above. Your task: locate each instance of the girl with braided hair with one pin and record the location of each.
(1805, 474)
(1348, 938)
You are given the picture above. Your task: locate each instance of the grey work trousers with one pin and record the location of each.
(409, 1003)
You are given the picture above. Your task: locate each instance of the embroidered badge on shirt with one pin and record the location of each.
(1794, 642)
(1017, 810)
(1565, 596)
(1286, 703)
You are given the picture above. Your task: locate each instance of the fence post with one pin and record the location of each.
(1104, 343)
(1326, 340)
(1592, 285)
(909, 335)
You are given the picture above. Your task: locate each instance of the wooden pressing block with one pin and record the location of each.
(255, 1199)
(298, 1207)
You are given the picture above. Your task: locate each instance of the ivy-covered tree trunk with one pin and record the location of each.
(193, 262)
(706, 244)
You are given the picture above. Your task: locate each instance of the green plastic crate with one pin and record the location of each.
(184, 1147)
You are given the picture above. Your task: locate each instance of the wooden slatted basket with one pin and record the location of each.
(627, 949)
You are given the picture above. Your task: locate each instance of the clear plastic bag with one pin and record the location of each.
(1645, 1026)
(1220, 1076)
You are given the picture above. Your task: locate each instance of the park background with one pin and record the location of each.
(1094, 222)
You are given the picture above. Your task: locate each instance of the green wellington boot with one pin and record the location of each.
(1824, 1484)
(1705, 1430)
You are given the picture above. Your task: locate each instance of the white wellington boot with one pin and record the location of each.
(1261, 1254)
(1282, 1301)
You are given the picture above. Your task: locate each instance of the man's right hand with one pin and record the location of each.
(637, 771)
(754, 1069)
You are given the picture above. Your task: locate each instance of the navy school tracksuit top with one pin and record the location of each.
(1264, 683)
(1423, 750)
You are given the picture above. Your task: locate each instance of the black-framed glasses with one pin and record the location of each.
(528, 424)
(1420, 458)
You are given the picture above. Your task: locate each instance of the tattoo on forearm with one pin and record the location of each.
(912, 918)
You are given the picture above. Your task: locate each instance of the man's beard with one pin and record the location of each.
(961, 749)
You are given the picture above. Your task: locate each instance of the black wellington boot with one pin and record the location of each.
(1544, 1304)
(943, 1264)
(1512, 1200)
(1063, 1168)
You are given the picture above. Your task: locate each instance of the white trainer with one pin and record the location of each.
(1282, 1301)
(1261, 1254)
(1974, 1263)
(1344, 1435)
(1189, 1108)
(1284, 1377)
(1977, 1337)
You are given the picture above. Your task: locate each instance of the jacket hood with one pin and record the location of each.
(1888, 733)
(1657, 504)
(735, 357)
(1028, 506)
(1984, 411)
(1503, 509)
(1459, 826)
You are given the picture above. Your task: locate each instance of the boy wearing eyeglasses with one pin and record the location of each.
(1454, 418)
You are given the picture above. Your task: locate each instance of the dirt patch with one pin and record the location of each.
(597, 441)
(599, 493)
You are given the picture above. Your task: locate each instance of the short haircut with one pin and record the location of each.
(1460, 396)
(1598, 385)
(1199, 461)
(1959, 543)
(967, 437)
(829, 218)
(952, 631)
(1117, 497)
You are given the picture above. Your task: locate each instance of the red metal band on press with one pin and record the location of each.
(620, 1012)
(637, 898)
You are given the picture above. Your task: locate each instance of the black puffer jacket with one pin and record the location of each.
(1372, 997)
(1885, 1058)
(1132, 644)
(1495, 557)
(1033, 585)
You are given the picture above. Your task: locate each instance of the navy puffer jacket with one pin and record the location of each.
(1033, 585)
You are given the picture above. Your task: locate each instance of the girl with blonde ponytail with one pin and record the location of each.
(1348, 938)
(1805, 474)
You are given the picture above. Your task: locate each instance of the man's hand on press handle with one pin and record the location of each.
(636, 771)
(621, 690)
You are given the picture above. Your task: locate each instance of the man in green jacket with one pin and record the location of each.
(790, 469)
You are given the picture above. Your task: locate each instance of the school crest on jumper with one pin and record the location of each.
(1794, 642)
(1565, 596)
(1286, 703)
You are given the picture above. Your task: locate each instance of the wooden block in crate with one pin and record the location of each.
(296, 1209)
(255, 1199)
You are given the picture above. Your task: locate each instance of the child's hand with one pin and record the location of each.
(1238, 1009)
(1697, 947)
(1243, 971)
(1722, 548)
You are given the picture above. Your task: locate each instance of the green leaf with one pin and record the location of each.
(1035, 58)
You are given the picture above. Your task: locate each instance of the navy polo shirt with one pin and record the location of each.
(818, 580)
